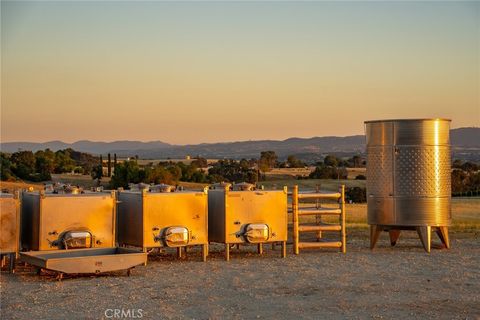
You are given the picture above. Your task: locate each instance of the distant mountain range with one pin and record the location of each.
(465, 142)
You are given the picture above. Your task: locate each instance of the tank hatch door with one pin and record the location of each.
(257, 232)
(176, 236)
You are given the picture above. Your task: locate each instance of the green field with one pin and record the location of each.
(465, 215)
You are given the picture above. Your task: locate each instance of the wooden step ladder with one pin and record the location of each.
(319, 226)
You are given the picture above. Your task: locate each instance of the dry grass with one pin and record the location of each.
(84, 181)
(19, 185)
(192, 185)
(311, 184)
(289, 172)
(353, 172)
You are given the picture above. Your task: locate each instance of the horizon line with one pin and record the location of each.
(186, 144)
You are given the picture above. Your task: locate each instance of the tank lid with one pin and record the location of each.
(406, 120)
(243, 186)
(221, 185)
(139, 186)
(162, 188)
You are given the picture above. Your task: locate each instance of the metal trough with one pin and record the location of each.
(86, 261)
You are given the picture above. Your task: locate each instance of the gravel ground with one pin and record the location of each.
(401, 282)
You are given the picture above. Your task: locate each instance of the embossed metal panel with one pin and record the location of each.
(380, 170)
(422, 171)
(408, 172)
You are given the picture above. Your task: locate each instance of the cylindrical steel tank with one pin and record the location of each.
(409, 177)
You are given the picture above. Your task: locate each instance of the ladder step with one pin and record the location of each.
(318, 211)
(329, 244)
(316, 195)
(322, 227)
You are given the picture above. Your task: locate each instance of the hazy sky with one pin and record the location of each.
(191, 72)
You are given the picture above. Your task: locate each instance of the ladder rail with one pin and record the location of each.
(295, 219)
(342, 222)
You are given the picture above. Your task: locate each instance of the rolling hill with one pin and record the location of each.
(465, 144)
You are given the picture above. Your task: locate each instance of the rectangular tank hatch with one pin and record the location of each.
(256, 233)
(176, 236)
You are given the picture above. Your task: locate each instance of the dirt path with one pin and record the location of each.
(401, 282)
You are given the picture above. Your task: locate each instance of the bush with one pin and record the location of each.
(356, 195)
(325, 172)
(232, 171)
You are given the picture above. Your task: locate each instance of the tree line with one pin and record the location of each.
(39, 166)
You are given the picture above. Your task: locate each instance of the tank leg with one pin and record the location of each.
(60, 276)
(204, 252)
(273, 245)
(12, 261)
(284, 249)
(394, 234)
(425, 234)
(442, 233)
(374, 234)
(260, 248)
(227, 252)
(3, 261)
(179, 252)
(145, 250)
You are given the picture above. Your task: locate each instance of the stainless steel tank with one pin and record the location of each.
(409, 178)
(67, 221)
(10, 227)
(247, 216)
(157, 217)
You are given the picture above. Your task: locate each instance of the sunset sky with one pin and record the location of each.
(192, 72)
